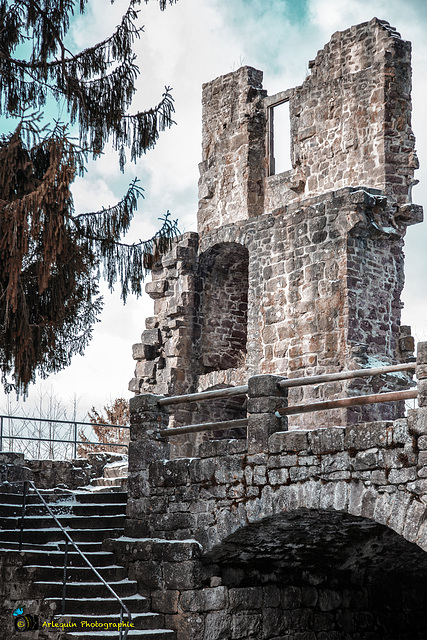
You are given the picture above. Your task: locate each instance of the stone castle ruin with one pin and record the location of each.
(298, 273)
(289, 527)
(316, 528)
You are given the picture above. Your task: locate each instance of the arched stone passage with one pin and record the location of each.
(321, 575)
(223, 306)
(400, 511)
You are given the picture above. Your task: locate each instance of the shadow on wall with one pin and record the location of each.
(223, 307)
(322, 572)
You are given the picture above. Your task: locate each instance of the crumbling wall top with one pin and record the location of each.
(350, 125)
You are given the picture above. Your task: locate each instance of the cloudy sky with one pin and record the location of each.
(190, 43)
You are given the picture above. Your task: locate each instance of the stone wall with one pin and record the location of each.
(374, 470)
(323, 295)
(202, 601)
(351, 118)
(299, 273)
(15, 588)
(233, 167)
(47, 474)
(309, 535)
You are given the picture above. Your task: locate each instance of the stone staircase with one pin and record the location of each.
(89, 518)
(114, 476)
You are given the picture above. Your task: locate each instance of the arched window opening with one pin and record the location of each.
(224, 307)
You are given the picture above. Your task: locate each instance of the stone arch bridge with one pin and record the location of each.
(308, 534)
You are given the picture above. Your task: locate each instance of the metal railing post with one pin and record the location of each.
(24, 506)
(121, 623)
(1, 433)
(75, 440)
(64, 577)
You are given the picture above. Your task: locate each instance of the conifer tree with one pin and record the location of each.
(50, 257)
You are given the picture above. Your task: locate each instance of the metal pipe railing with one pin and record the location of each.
(75, 424)
(205, 395)
(69, 540)
(100, 444)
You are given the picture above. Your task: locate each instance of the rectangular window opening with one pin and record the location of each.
(280, 138)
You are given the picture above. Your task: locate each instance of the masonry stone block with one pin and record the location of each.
(230, 470)
(274, 622)
(201, 470)
(208, 599)
(265, 386)
(421, 353)
(278, 476)
(260, 427)
(417, 421)
(165, 601)
(415, 516)
(217, 625)
(422, 392)
(400, 476)
(327, 440)
(186, 625)
(147, 573)
(288, 441)
(368, 435)
(245, 625)
(182, 575)
(397, 519)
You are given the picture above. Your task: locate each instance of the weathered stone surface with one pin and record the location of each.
(54, 473)
(208, 599)
(298, 274)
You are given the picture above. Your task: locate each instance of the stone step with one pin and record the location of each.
(82, 590)
(116, 471)
(46, 573)
(103, 498)
(12, 510)
(69, 496)
(49, 546)
(54, 534)
(109, 482)
(70, 521)
(46, 556)
(100, 606)
(140, 621)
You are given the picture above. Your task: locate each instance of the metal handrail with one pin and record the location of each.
(74, 441)
(69, 540)
(204, 395)
(106, 444)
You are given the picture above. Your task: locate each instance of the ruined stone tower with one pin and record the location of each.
(287, 531)
(298, 273)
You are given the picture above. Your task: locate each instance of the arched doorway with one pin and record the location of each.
(322, 575)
